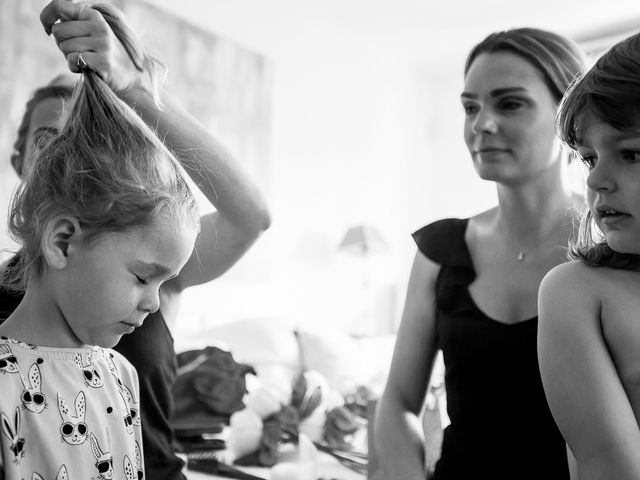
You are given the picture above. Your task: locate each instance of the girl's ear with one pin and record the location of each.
(60, 233)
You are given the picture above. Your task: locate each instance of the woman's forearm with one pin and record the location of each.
(399, 442)
(220, 177)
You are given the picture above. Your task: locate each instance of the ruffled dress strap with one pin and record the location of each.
(443, 242)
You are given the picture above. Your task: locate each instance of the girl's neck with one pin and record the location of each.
(38, 321)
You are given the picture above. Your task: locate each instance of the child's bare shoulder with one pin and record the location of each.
(572, 277)
(576, 274)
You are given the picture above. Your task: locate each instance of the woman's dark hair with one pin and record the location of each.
(556, 57)
(608, 92)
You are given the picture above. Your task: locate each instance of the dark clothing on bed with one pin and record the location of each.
(501, 426)
(150, 350)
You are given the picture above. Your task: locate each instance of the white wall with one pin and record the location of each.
(366, 129)
(361, 134)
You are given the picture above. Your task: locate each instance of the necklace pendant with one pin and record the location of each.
(520, 256)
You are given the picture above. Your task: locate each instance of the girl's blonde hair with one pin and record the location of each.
(107, 169)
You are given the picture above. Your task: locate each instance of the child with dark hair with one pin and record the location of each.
(589, 336)
(111, 49)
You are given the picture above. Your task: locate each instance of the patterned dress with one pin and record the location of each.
(68, 413)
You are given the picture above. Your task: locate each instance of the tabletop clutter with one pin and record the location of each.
(226, 418)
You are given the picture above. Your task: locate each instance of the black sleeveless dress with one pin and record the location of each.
(501, 426)
(150, 350)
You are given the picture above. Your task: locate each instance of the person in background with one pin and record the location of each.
(473, 286)
(589, 335)
(104, 218)
(225, 235)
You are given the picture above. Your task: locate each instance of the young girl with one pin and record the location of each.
(104, 217)
(589, 336)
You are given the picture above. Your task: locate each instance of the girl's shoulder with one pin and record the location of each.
(595, 278)
(570, 283)
(578, 286)
(577, 274)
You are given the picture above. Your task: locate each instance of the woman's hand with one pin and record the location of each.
(82, 28)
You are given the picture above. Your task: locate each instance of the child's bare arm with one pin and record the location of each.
(581, 382)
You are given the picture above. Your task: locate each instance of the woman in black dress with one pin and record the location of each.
(474, 283)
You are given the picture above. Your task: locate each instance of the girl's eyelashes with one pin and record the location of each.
(588, 161)
(141, 280)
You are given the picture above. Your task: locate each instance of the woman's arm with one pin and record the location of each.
(241, 214)
(399, 438)
(582, 385)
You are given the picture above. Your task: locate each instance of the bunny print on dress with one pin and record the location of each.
(128, 421)
(129, 472)
(73, 429)
(104, 460)
(32, 397)
(13, 434)
(80, 425)
(139, 462)
(91, 376)
(62, 474)
(8, 361)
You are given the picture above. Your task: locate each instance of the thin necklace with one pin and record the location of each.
(521, 254)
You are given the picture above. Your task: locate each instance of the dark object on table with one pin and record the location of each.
(199, 443)
(209, 388)
(198, 424)
(209, 382)
(208, 462)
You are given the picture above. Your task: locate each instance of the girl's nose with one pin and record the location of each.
(151, 301)
(600, 177)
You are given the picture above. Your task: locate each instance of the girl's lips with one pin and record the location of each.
(129, 327)
(613, 219)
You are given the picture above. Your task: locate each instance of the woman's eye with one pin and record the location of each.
(470, 109)
(141, 280)
(510, 104)
(631, 156)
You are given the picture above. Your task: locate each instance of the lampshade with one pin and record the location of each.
(363, 239)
